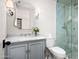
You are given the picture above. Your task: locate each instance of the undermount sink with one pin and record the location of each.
(26, 34)
(29, 35)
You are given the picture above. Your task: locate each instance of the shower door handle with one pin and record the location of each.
(27, 51)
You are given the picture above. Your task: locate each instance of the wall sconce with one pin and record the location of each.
(10, 7)
(10, 12)
(37, 12)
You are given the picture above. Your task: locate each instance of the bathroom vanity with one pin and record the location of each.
(25, 47)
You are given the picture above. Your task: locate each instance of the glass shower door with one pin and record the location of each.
(67, 27)
(60, 30)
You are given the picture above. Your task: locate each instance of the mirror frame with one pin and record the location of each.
(33, 9)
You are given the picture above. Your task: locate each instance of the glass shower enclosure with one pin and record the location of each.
(67, 27)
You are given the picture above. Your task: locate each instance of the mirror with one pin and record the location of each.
(24, 16)
(23, 13)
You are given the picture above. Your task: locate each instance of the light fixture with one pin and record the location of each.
(10, 7)
(37, 12)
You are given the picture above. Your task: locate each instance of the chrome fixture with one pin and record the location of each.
(10, 7)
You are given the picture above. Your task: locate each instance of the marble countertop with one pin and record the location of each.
(16, 38)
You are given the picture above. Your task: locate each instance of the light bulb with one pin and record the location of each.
(9, 4)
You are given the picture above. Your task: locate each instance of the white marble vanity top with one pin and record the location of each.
(13, 39)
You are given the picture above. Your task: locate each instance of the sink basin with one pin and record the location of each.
(29, 35)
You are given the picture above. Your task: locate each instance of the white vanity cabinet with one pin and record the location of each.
(17, 51)
(26, 50)
(36, 50)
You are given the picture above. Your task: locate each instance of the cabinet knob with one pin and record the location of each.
(6, 57)
(27, 51)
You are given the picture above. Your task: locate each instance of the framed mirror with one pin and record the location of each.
(24, 15)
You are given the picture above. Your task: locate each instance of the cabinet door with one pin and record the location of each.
(36, 50)
(17, 52)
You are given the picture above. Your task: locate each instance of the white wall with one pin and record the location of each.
(47, 16)
(46, 21)
(2, 26)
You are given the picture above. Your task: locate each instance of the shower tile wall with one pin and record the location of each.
(75, 32)
(67, 27)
